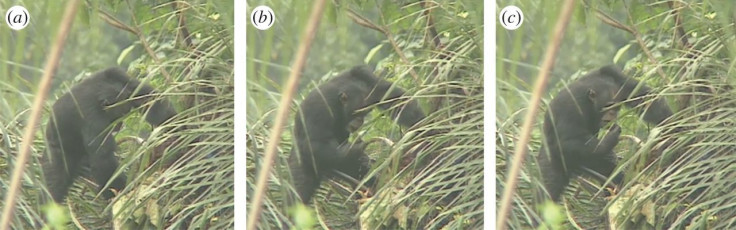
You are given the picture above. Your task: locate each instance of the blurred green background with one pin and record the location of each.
(423, 183)
(685, 51)
(175, 179)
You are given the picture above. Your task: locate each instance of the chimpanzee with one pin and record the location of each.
(326, 118)
(574, 118)
(79, 133)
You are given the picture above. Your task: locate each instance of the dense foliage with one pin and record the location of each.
(180, 175)
(679, 174)
(423, 183)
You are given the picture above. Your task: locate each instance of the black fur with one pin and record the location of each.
(635, 93)
(328, 115)
(79, 131)
(574, 118)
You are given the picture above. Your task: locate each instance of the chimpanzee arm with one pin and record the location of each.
(160, 111)
(582, 147)
(635, 93)
(100, 145)
(391, 98)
